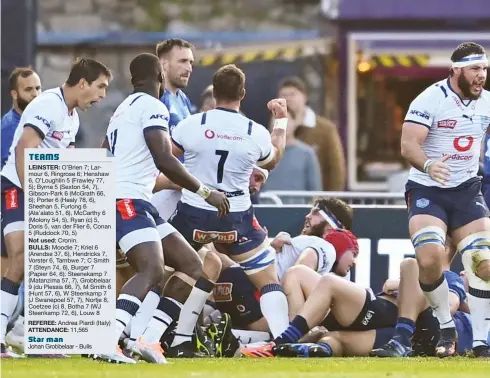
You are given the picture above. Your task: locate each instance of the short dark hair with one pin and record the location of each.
(465, 49)
(295, 82)
(341, 210)
(145, 67)
(229, 83)
(88, 69)
(16, 73)
(166, 46)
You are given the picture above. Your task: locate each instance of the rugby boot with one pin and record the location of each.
(446, 347)
(258, 351)
(225, 343)
(482, 351)
(202, 342)
(117, 357)
(304, 350)
(185, 350)
(8, 353)
(152, 353)
(392, 348)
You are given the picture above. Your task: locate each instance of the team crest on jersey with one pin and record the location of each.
(222, 292)
(205, 237)
(58, 135)
(422, 203)
(447, 124)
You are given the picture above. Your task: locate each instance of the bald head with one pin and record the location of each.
(146, 69)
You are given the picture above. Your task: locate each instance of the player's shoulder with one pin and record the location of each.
(54, 97)
(436, 91)
(146, 102)
(486, 96)
(194, 119)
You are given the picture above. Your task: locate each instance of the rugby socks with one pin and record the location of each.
(479, 303)
(191, 310)
(144, 314)
(295, 331)
(166, 313)
(274, 307)
(249, 337)
(438, 296)
(8, 302)
(404, 330)
(126, 308)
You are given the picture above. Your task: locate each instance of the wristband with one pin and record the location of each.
(203, 191)
(281, 123)
(427, 165)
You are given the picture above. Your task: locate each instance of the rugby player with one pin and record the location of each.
(176, 56)
(221, 147)
(49, 121)
(24, 86)
(138, 137)
(441, 139)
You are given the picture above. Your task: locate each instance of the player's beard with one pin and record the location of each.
(21, 103)
(465, 86)
(317, 230)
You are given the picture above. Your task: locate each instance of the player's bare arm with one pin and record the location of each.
(279, 109)
(413, 136)
(30, 138)
(160, 147)
(163, 183)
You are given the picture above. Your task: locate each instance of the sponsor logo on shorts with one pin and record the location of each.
(222, 292)
(447, 124)
(205, 237)
(58, 135)
(418, 113)
(240, 308)
(126, 209)
(367, 318)
(422, 203)
(11, 199)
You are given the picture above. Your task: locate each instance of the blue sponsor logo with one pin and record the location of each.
(420, 114)
(43, 120)
(159, 116)
(422, 203)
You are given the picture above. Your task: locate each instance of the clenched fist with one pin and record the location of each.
(278, 108)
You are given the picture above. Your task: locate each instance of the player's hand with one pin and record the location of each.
(278, 107)
(219, 201)
(280, 240)
(439, 171)
(391, 286)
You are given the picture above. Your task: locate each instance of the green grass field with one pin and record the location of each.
(256, 368)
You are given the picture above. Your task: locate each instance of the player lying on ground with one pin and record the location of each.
(349, 339)
(441, 139)
(138, 137)
(221, 147)
(319, 247)
(49, 121)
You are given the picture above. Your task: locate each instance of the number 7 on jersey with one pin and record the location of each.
(221, 164)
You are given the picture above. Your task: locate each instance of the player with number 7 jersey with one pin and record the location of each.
(221, 147)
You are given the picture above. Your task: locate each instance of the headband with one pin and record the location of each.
(470, 60)
(263, 171)
(329, 217)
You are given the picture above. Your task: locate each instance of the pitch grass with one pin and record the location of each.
(252, 368)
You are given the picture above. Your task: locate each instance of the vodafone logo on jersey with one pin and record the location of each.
(210, 134)
(463, 143)
(447, 124)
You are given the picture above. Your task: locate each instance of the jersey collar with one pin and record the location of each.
(448, 82)
(226, 110)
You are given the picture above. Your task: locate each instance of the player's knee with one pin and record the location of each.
(475, 250)
(408, 264)
(327, 281)
(211, 266)
(294, 274)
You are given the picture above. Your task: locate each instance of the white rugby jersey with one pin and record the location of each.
(456, 128)
(290, 253)
(48, 115)
(220, 149)
(136, 172)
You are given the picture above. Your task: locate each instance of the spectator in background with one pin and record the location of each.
(207, 100)
(299, 168)
(316, 131)
(24, 86)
